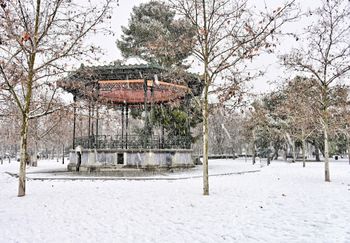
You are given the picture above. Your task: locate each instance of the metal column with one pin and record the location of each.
(145, 88)
(123, 126)
(74, 119)
(126, 125)
(97, 119)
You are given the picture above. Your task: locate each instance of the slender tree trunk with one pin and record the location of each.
(205, 142)
(34, 161)
(26, 110)
(24, 158)
(254, 155)
(275, 154)
(205, 103)
(317, 153)
(294, 152)
(326, 153)
(62, 153)
(303, 153)
(254, 148)
(325, 123)
(268, 156)
(285, 153)
(24, 132)
(292, 144)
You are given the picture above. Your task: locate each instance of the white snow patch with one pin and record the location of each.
(282, 203)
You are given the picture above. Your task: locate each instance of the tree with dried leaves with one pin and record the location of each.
(325, 57)
(9, 126)
(299, 108)
(228, 34)
(340, 118)
(38, 39)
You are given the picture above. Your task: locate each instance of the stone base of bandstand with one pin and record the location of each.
(119, 160)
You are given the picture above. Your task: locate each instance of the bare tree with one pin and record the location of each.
(224, 130)
(52, 125)
(254, 123)
(298, 109)
(340, 116)
(227, 33)
(325, 57)
(9, 120)
(38, 39)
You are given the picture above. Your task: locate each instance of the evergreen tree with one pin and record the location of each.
(156, 36)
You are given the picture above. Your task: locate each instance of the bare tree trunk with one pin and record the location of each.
(34, 161)
(294, 152)
(205, 103)
(23, 161)
(285, 153)
(254, 156)
(79, 161)
(303, 153)
(254, 148)
(205, 142)
(326, 154)
(63, 154)
(325, 123)
(26, 110)
(317, 153)
(275, 154)
(270, 154)
(292, 144)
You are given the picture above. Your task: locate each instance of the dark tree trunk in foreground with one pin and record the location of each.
(317, 153)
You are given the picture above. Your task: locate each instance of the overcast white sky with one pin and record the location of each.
(121, 15)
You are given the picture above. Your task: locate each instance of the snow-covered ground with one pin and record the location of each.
(280, 203)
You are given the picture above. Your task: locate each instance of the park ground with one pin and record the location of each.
(282, 202)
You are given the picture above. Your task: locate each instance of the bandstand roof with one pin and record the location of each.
(125, 84)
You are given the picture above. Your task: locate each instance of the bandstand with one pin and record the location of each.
(125, 87)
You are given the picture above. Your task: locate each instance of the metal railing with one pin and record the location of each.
(133, 142)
